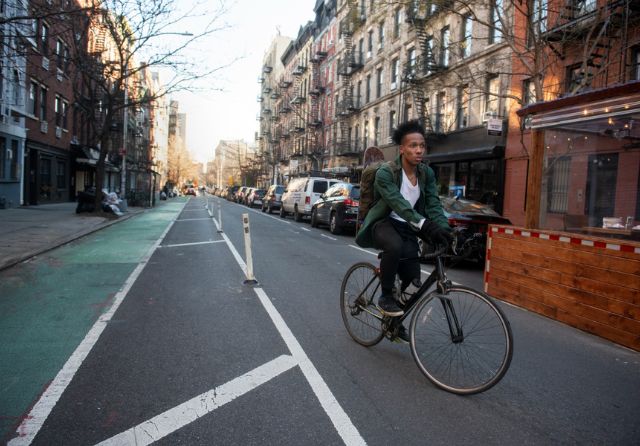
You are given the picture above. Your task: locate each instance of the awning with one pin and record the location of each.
(466, 154)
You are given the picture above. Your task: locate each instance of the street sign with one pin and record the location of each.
(494, 127)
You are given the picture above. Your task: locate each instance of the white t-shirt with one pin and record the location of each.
(410, 193)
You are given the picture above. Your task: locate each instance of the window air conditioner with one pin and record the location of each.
(489, 115)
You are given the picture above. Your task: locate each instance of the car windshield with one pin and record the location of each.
(452, 205)
(279, 189)
(259, 192)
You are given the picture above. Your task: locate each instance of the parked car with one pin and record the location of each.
(471, 220)
(231, 193)
(273, 198)
(337, 207)
(301, 194)
(255, 197)
(245, 196)
(191, 191)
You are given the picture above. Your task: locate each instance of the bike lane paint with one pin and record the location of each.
(48, 304)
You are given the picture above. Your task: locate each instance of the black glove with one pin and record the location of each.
(436, 233)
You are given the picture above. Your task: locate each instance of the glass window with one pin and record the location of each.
(528, 92)
(441, 100)
(444, 46)
(43, 104)
(397, 20)
(381, 35)
(462, 120)
(583, 7)
(45, 178)
(61, 175)
(13, 160)
(58, 110)
(368, 89)
(392, 122)
(366, 133)
(465, 38)
(376, 130)
(44, 39)
(65, 112)
(369, 44)
(379, 74)
(395, 65)
(558, 183)
(492, 91)
(411, 58)
(540, 11)
(495, 30)
(32, 100)
(634, 66)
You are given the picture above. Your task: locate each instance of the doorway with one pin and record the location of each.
(601, 187)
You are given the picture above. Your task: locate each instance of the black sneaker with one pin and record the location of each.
(403, 335)
(389, 307)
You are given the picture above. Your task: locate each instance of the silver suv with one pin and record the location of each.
(273, 198)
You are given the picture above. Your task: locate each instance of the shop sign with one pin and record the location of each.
(494, 127)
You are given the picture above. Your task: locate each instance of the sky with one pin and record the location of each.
(231, 113)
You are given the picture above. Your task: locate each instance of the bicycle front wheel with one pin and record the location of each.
(361, 317)
(461, 340)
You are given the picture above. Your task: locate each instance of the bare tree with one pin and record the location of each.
(113, 43)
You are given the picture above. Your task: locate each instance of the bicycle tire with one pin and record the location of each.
(464, 366)
(363, 321)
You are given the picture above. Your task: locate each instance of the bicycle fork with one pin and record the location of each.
(455, 330)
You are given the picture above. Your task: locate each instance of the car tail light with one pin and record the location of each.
(307, 200)
(350, 202)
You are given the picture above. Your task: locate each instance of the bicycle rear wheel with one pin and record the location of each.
(361, 317)
(461, 340)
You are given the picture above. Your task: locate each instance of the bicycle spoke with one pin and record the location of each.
(361, 318)
(472, 362)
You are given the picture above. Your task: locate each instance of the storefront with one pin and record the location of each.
(578, 259)
(47, 178)
(469, 164)
(11, 156)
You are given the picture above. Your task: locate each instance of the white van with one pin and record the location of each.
(301, 193)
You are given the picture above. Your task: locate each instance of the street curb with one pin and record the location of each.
(7, 263)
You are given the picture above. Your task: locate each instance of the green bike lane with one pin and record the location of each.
(49, 304)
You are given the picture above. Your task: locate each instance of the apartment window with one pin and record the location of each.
(66, 59)
(395, 68)
(60, 54)
(558, 187)
(357, 137)
(635, 63)
(495, 31)
(43, 104)
(17, 99)
(32, 100)
(433, 8)
(392, 122)
(58, 110)
(65, 112)
(465, 38)
(444, 46)
(13, 160)
(360, 55)
(577, 78)
(540, 11)
(359, 95)
(582, 7)
(376, 130)
(411, 57)
(492, 92)
(462, 119)
(369, 44)
(429, 61)
(397, 20)
(61, 175)
(368, 90)
(363, 12)
(528, 92)
(44, 39)
(366, 133)
(441, 103)
(381, 36)
(379, 75)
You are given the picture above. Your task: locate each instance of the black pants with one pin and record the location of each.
(397, 240)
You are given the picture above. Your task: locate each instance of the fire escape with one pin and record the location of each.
(597, 28)
(424, 64)
(284, 112)
(298, 101)
(315, 90)
(347, 66)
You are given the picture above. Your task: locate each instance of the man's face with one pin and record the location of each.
(412, 148)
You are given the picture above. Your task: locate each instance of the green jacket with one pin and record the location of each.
(387, 197)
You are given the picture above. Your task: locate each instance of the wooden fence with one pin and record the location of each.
(588, 282)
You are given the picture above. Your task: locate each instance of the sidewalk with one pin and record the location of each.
(31, 230)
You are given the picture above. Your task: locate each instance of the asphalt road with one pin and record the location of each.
(195, 356)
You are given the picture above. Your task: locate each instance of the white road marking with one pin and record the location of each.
(32, 423)
(329, 237)
(306, 229)
(176, 418)
(191, 244)
(193, 219)
(338, 416)
(232, 248)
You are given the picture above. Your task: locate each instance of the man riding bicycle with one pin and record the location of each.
(406, 206)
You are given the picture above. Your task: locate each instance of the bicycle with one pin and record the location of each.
(460, 339)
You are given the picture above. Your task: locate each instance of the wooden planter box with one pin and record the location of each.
(588, 282)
